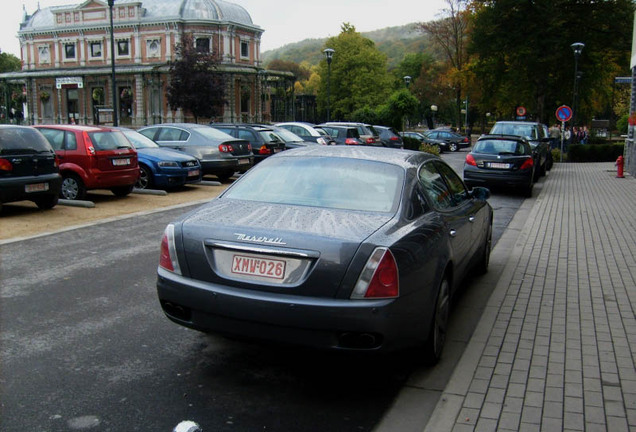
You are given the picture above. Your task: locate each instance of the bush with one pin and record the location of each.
(556, 155)
(595, 153)
(622, 124)
(428, 148)
(411, 143)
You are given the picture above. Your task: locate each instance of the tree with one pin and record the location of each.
(195, 84)
(524, 54)
(11, 92)
(359, 76)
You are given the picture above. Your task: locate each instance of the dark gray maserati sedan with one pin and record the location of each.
(357, 249)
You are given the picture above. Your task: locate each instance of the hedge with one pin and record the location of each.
(595, 152)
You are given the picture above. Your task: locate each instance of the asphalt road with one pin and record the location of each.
(85, 346)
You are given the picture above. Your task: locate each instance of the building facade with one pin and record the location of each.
(66, 55)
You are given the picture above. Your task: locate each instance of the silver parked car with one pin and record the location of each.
(337, 247)
(219, 153)
(308, 132)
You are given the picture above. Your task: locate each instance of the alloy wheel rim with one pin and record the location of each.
(70, 188)
(441, 317)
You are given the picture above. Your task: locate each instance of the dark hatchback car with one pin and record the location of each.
(454, 140)
(501, 160)
(343, 135)
(389, 137)
(220, 154)
(538, 137)
(28, 167)
(362, 249)
(264, 141)
(424, 139)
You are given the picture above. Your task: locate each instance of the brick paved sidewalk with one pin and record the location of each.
(555, 348)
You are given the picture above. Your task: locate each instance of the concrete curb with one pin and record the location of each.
(76, 203)
(157, 192)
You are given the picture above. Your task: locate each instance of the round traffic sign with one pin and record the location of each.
(564, 113)
(521, 111)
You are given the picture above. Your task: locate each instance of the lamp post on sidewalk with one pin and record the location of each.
(112, 62)
(329, 56)
(577, 47)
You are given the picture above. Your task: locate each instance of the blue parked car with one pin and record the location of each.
(161, 167)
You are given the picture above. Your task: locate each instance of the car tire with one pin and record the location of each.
(122, 191)
(453, 147)
(47, 202)
(528, 190)
(72, 187)
(482, 266)
(439, 325)
(145, 180)
(225, 176)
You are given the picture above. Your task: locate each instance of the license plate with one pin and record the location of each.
(193, 173)
(261, 267)
(243, 161)
(121, 162)
(37, 187)
(498, 165)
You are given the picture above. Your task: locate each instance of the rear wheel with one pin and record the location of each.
(72, 187)
(122, 191)
(225, 175)
(437, 335)
(47, 201)
(482, 266)
(453, 146)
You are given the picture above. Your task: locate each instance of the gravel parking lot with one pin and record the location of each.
(23, 219)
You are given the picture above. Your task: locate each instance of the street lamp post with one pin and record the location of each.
(577, 47)
(433, 111)
(329, 55)
(407, 82)
(112, 62)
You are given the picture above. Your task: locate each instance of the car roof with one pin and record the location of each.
(503, 137)
(518, 122)
(403, 158)
(79, 128)
(181, 125)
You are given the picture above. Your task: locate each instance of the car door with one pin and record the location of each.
(449, 197)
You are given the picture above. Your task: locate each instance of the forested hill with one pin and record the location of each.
(393, 41)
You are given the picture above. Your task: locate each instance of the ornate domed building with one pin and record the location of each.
(67, 61)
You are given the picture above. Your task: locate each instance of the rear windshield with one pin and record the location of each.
(22, 140)
(214, 134)
(288, 136)
(336, 183)
(527, 131)
(501, 147)
(271, 137)
(111, 140)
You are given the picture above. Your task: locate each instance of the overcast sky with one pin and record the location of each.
(284, 21)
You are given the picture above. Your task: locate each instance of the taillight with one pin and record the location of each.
(379, 278)
(56, 162)
(470, 160)
(465, 139)
(351, 141)
(370, 140)
(394, 138)
(225, 148)
(168, 255)
(88, 143)
(321, 141)
(529, 163)
(5, 165)
(264, 150)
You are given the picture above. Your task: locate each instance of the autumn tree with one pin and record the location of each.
(195, 84)
(11, 93)
(359, 75)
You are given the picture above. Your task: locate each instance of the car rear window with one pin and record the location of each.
(271, 137)
(214, 134)
(527, 131)
(110, 140)
(501, 147)
(336, 183)
(22, 140)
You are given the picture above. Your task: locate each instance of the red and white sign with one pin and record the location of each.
(521, 111)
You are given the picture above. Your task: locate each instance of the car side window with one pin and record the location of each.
(54, 137)
(434, 187)
(456, 185)
(71, 141)
(246, 135)
(149, 133)
(170, 134)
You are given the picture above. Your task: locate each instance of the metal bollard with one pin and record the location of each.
(620, 165)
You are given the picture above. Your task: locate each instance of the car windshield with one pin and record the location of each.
(527, 131)
(140, 141)
(271, 137)
(22, 140)
(337, 183)
(501, 147)
(213, 134)
(288, 136)
(110, 140)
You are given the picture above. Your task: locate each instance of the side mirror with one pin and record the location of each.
(480, 193)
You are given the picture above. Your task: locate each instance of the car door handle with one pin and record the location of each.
(453, 233)
(471, 218)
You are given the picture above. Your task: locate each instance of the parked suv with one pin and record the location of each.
(368, 134)
(538, 136)
(264, 140)
(28, 167)
(92, 157)
(219, 153)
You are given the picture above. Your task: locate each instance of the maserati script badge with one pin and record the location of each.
(259, 239)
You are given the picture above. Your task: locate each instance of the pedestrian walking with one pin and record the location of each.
(555, 136)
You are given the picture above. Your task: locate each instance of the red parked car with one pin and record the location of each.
(92, 157)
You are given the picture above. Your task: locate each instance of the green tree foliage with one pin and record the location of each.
(9, 63)
(359, 75)
(11, 94)
(301, 72)
(195, 85)
(524, 54)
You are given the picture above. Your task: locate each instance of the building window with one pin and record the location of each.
(96, 49)
(203, 45)
(123, 48)
(69, 51)
(245, 50)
